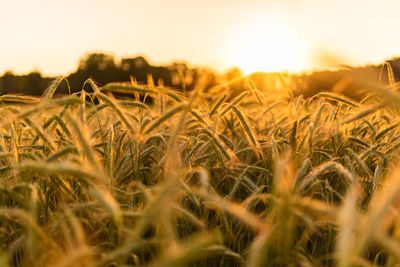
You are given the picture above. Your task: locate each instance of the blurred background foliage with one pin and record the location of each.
(103, 68)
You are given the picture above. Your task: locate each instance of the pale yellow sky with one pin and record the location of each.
(51, 35)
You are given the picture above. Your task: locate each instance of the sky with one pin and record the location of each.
(270, 35)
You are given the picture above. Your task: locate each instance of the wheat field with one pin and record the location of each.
(207, 178)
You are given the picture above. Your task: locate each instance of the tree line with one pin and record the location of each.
(103, 68)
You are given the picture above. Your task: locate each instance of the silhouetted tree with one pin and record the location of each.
(8, 82)
(99, 66)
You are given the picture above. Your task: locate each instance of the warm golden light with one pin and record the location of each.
(268, 46)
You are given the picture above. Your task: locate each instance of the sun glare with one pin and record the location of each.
(267, 46)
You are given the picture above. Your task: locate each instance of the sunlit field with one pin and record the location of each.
(209, 178)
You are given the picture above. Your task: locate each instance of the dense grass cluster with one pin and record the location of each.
(203, 179)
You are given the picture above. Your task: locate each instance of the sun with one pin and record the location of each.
(266, 45)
